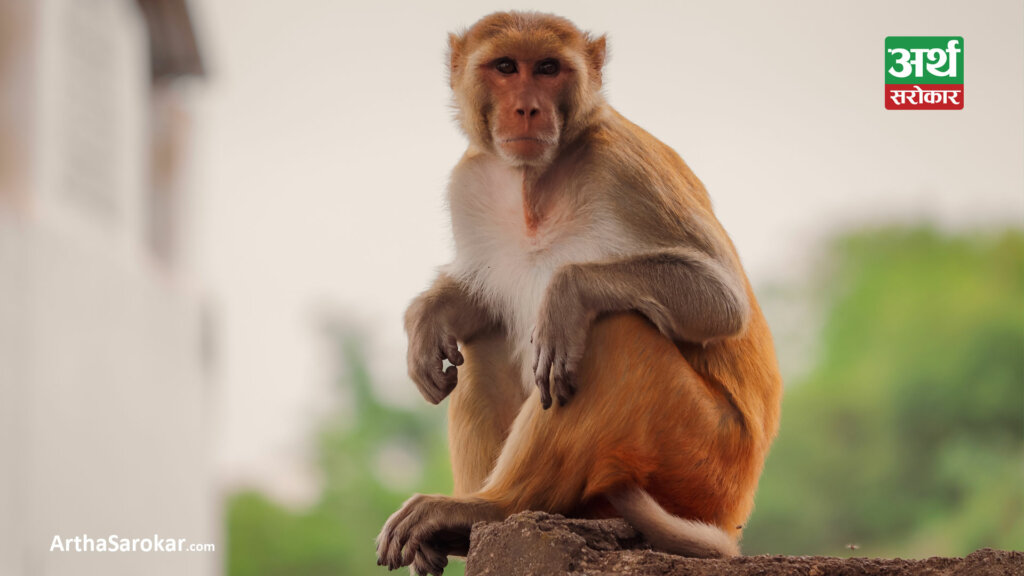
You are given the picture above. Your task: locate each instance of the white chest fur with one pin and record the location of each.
(509, 265)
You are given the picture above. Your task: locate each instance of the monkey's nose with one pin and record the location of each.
(533, 112)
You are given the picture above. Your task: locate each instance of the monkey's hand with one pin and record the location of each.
(559, 338)
(430, 343)
(426, 529)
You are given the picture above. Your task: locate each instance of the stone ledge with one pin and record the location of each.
(539, 544)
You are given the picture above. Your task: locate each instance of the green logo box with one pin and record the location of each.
(924, 60)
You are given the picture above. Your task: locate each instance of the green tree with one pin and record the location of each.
(907, 436)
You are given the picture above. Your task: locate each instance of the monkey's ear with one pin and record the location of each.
(456, 44)
(596, 53)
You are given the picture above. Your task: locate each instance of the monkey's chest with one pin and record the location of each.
(508, 258)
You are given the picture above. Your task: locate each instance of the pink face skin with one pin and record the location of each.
(525, 122)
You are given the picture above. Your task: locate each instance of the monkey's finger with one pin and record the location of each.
(414, 532)
(426, 381)
(384, 543)
(422, 556)
(451, 378)
(442, 382)
(561, 384)
(429, 561)
(410, 529)
(572, 362)
(422, 567)
(570, 381)
(393, 557)
(557, 381)
(384, 540)
(543, 375)
(422, 370)
(410, 551)
(420, 376)
(395, 533)
(429, 392)
(450, 348)
(391, 548)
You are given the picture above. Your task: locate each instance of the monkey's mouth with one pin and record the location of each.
(529, 142)
(526, 139)
(526, 148)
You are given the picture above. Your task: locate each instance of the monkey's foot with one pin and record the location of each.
(426, 529)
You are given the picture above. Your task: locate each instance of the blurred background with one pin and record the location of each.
(213, 214)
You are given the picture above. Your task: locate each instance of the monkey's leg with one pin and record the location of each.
(481, 410)
(642, 418)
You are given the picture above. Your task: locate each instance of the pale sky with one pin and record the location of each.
(324, 141)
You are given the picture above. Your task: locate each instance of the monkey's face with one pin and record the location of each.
(524, 112)
(523, 84)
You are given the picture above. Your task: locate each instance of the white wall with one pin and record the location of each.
(105, 421)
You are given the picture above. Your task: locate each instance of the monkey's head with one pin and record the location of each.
(525, 84)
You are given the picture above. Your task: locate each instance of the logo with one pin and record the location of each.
(924, 73)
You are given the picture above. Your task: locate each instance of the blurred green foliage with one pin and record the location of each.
(335, 536)
(906, 437)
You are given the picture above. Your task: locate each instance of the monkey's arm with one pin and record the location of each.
(687, 294)
(435, 322)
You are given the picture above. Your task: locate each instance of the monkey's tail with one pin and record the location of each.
(671, 533)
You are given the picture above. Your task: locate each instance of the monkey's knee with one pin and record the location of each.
(626, 332)
(627, 355)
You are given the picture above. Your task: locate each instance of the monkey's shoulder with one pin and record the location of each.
(636, 154)
(648, 182)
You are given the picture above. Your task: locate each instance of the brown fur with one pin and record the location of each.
(661, 360)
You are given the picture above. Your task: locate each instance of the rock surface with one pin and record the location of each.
(539, 544)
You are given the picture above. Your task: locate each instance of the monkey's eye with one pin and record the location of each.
(506, 66)
(548, 67)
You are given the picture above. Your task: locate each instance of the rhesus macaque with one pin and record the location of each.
(613, 360)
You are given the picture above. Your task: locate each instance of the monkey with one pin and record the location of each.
(607, 355)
